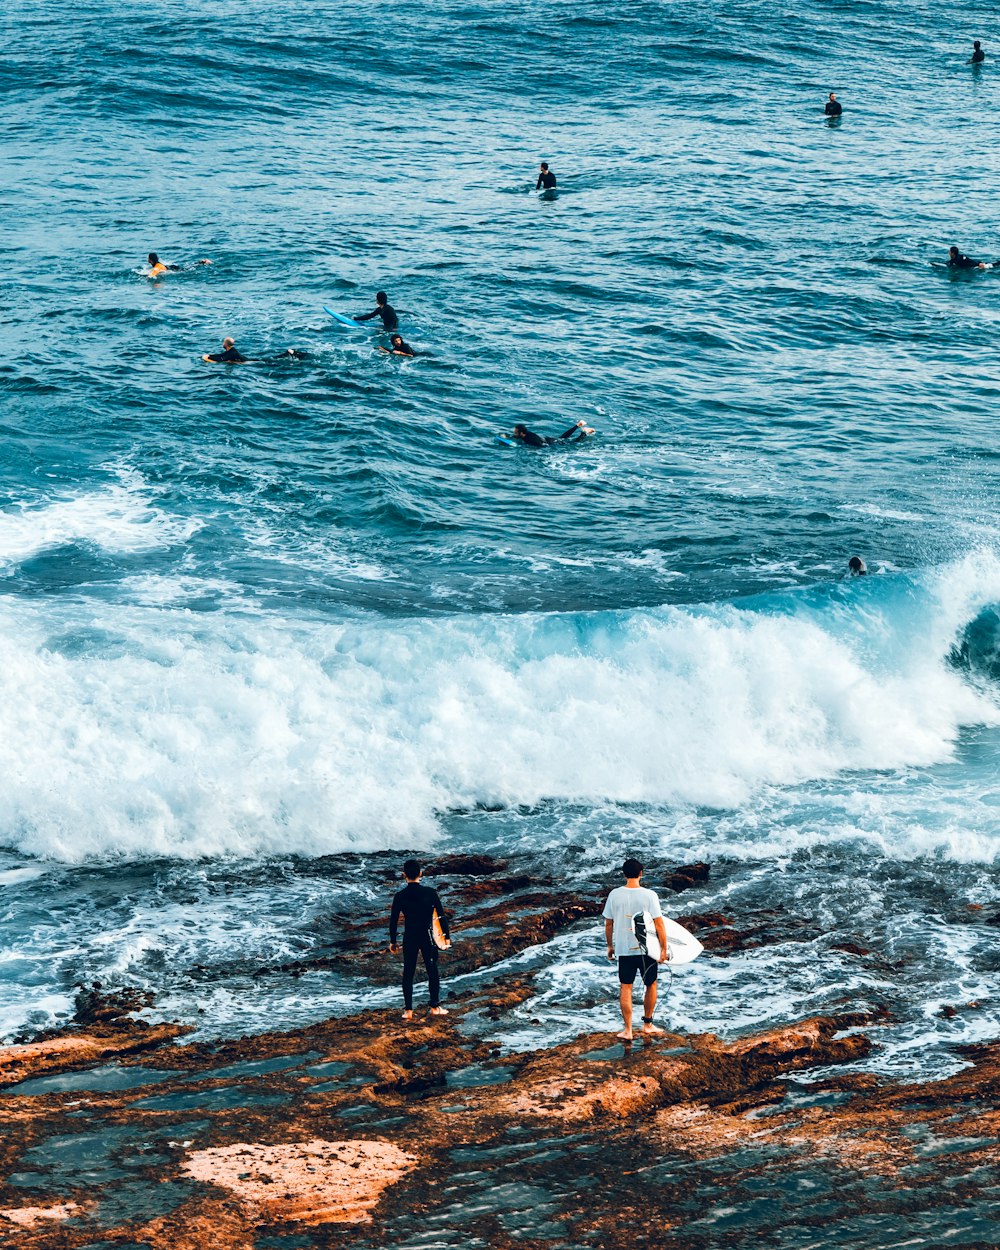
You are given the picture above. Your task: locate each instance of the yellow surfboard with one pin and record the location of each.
(437, 933)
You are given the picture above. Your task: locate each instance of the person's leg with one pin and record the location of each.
(627, 968)
(649, 999)
(410, 954)
(430, 953)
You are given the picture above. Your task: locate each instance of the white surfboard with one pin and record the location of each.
(682, 947)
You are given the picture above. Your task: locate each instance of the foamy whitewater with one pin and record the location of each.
(255, 620)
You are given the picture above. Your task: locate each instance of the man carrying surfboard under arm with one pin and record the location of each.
(425, 931)
(629, 914)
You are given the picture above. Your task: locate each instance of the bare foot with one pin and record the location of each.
(625, 1035)
(439, 1011)
(649, 1029)
(407, 1015)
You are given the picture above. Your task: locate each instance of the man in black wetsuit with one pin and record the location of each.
(546, 178)
(398, 347)
(228, 356)
(417, 904)
(384, 310)
(978, 55)
(856, 567)
(833, 106)
(531, 439)
(957, 260)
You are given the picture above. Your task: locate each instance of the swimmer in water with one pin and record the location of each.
(978, 55)
(957, 260)
(398, 347)
(833, 106)
(157, 267)
(531, 439)
(228, 356)
(384, 310)
(546, 178)
(856, 567)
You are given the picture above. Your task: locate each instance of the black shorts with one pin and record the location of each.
(645, 965)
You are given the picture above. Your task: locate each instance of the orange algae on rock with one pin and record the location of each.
(313, 1181)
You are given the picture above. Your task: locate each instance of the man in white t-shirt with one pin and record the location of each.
(624, 928)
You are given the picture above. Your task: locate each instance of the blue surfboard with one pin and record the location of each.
(507, 442)
(344, 321)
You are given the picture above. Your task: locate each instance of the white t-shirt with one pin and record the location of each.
(622, 905)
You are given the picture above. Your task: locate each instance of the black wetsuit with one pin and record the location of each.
(388, 314)
(833, 108)
(229, 357)
(978, 56)
(417, 903)
(962, 262)
(531, 439)
(402, 348)
(546, 180)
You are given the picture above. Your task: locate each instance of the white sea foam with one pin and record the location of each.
(119, 517)
(143, 732)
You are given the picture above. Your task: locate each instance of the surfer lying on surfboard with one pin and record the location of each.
(398, 347)
(228, 356)
(157, 267)
(531, 439)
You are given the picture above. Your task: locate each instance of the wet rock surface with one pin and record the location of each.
(367, 1131)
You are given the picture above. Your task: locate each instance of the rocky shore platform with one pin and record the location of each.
(369, 1132)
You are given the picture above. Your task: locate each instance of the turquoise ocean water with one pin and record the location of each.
(255, 617)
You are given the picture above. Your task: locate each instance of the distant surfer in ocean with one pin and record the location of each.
(530, 439)
(157, 267)
(833, 107)
(856, 567)
(420, 908)
(628, 910)
(384, 310)
(398, 347)
(957, 260)
(978, 55)
(228, 356)
(546, 178)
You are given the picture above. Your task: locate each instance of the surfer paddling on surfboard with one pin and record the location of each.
(530, 439)
(425, 932)
(629, 914)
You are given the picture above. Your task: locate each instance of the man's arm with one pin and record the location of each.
(661, 933)
(609, 931)
(394, 923)
(367, 316)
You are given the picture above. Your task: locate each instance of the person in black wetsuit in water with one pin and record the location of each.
(398, 347)
(531, 439)
(228, 356)
(978, 55)
(417, 904)
(546, 178)
(958, 260)
(833, 106)
(384, 310)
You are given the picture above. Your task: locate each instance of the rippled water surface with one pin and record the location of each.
(251, 616)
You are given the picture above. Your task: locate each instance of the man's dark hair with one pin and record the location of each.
(545, 164)
(381, 297)
(520, 429)
(411, 869)
(632, 867)
(975, 43)
(153, 258)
